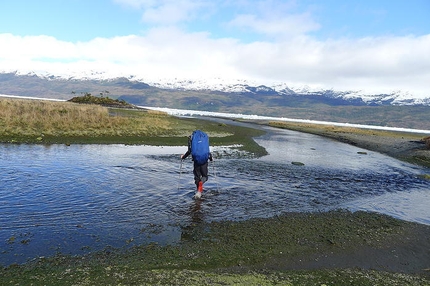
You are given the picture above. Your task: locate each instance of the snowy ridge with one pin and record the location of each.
(245, 86)
(70, 75)
(235, 86)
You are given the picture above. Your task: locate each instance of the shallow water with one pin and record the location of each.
(80, 198)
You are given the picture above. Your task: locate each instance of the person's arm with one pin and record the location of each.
(185, 155)
(188, 151)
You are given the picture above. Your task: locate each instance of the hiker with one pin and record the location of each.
(198, 147)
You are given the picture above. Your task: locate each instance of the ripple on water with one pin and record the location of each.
(86, 197)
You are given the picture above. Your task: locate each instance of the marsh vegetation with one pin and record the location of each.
(51, 122)
(253, 252)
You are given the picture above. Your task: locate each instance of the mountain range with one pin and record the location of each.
(397, 109)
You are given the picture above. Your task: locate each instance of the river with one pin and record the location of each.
(82, 198)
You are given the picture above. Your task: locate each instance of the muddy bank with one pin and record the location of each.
(404, 146)
(311, 242)
(334, 248)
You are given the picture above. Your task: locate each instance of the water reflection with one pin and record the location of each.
(80, 198)
(197, 217)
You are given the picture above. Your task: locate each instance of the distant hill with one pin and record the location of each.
(393, 110)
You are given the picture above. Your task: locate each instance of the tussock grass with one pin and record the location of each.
(36, 118)
(49, 122)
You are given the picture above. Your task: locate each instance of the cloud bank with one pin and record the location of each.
(287, 52)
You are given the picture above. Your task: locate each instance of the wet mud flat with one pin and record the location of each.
(330, 248)
(405, 146)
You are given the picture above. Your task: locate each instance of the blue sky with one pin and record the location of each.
(374, 46)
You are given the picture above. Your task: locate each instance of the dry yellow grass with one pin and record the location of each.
(35, 117)
(327, 128)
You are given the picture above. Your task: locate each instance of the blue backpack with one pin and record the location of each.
(200, 147)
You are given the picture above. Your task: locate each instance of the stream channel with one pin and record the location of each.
(82, 198)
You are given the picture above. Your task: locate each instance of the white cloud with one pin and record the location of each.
(31, 47)
(290, 25)
(274, 18)
(168, 12)
(137, 3)
(374, 64)
(172, 12)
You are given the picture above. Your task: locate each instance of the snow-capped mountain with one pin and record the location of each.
(244, 86)
(237, 86)
(396, 109)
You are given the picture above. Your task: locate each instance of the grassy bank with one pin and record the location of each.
(48, 122)
(332, 129)
(30, 119)
(335, 248)
(405, 146)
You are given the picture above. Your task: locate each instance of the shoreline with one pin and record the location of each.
(290, 249)
(405, 146)
(331, 248)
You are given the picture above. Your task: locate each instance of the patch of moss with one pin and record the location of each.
(228, 252)
(425, 176)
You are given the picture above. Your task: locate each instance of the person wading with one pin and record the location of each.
(198, 147)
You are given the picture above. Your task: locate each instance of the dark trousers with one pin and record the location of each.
(200, 173)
